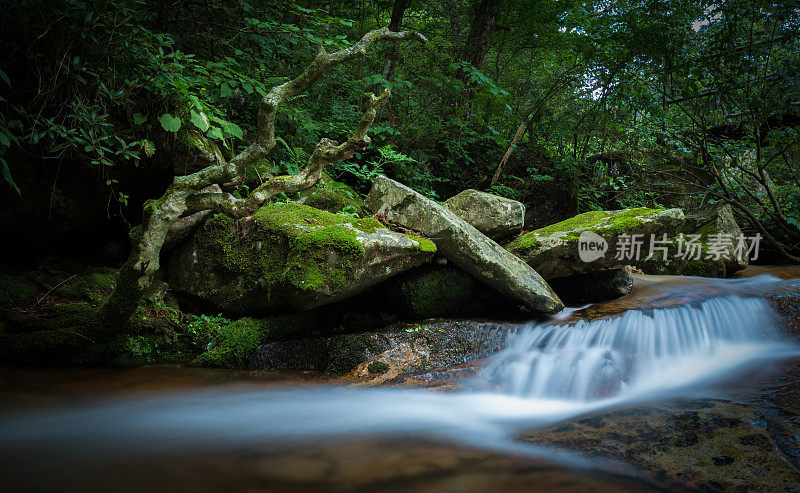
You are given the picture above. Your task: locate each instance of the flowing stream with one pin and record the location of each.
(548, 373)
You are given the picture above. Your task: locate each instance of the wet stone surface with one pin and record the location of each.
(708, 444)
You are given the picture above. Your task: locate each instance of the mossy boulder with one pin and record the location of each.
(234, 345)
(332, 196)
(684, 245)
(496, 217)
(462, 244)
(290, 254)
(554, 250)
(258, 173)
(717, 221)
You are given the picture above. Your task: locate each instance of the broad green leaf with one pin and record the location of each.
(225, 90)
(139, 118)
(199, 120)
(170, 123)
(233, 129)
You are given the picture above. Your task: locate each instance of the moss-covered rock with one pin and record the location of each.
(290, 254)
(554, 250)
(496, 217)
(193, 151)
(332, 196)
(258, 173)
(682, 247)
(718, 221)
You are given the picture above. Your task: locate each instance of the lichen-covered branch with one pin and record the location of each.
(322, 62)
(326, 152)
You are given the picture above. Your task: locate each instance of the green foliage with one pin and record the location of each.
(110, 84)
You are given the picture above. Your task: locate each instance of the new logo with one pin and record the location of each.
(591, 246)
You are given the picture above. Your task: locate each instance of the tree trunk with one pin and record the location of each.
(398, 12)
(480, 31)
(477, 44)
(517, 135)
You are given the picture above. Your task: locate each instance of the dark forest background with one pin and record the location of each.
(567, 106)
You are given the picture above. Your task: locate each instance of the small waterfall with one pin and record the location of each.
(639, 350)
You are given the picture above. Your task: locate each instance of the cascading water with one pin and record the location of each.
(637, 351)
(547, 373)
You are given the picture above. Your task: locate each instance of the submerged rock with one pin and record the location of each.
(707, 444)
(496, 217)
(290, 254)
(403, 348)
(462, 244)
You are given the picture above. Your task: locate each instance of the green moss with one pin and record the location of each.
(600, 222)
(16, 291)
(368, 224)
(312, 264)
(332, 196)
(233, 345)
(294, 219)
(94, 286)
(285, 244)
(435, 292)
(258, 173)
(425, 245)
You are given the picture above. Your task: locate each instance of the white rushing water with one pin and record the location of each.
(639, 351)
(547, 373)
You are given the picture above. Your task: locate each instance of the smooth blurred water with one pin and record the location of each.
(641, 350)
(548, 373)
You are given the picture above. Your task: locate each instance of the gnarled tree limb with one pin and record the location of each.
(326, 152)
(137, 273)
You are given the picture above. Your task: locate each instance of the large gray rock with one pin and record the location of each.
(554, 250)
(462, 244)
(718, 219)
(496, 217)
(290, 254)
